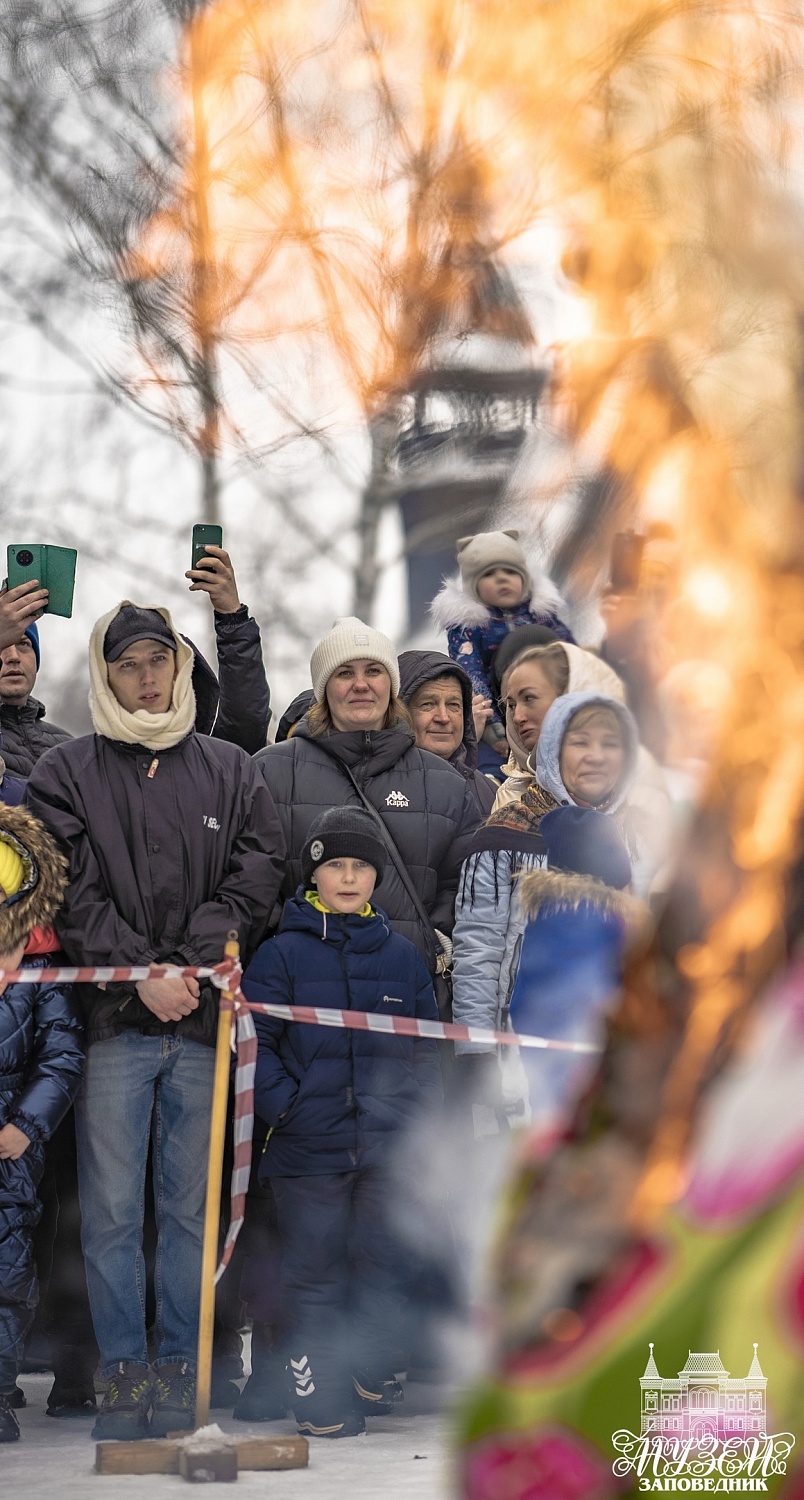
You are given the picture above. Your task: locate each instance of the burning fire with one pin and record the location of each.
(349, 166)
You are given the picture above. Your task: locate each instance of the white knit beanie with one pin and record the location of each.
(351, 640)
(491, 549)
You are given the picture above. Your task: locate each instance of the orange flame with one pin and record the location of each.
(350, 168)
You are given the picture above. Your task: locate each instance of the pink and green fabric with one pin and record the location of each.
(725, 1273)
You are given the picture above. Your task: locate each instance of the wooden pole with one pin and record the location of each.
(212, 1212)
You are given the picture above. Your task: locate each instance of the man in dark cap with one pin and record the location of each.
(172, 840)
(233, 706)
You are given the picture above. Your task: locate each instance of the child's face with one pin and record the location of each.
(501, 588)
(346, 884)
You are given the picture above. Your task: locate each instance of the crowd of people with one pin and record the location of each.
(469, 834)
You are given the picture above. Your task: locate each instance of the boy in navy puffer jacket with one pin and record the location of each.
(335, 1100)
(41, 1058)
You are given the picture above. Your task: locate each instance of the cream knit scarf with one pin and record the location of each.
(155, 731)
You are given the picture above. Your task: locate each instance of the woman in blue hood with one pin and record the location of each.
(335, 1100)
(586, 758)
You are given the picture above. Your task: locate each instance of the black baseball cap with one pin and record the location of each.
(132, 624)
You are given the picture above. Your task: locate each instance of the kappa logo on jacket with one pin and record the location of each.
(396, 799)
(303, 1376)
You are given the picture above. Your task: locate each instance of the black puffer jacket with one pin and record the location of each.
(426, 806)
(161, 865)
(418, 667)
(27, 734)
(293, 713)
(234, 706)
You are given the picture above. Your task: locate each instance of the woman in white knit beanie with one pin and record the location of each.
(358, 734)
(355, 676)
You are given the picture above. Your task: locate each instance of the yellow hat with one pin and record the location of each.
(12, 870)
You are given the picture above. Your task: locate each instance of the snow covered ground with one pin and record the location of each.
(404, 1457)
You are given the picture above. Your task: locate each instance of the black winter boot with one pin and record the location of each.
(124, 1413)
(17, 1398)
(349, 1426)
(265, 1395)
(224, 1393)
(322, 1411)
(9, 1426)
(173, 1399)
(73, 1390)
(376, 1395)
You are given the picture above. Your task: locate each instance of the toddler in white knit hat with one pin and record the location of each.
(496, 592)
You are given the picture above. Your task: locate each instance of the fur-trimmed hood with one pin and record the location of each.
(454, 605)
(39, 897)
(537, 889)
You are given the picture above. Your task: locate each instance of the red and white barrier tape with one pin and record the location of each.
(243, 1123)
(438, 1031)
(133, 975)
(227, 976)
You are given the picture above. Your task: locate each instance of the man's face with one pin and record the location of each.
(17, 672)
(436, 709)
(142, 678)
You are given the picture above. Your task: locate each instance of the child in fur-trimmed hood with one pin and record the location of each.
(41, 1059)
(495, 592)
(578, 916)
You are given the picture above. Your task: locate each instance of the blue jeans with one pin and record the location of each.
(135, 1087)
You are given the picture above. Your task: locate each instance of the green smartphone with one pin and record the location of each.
(205, 536)
(54, 567)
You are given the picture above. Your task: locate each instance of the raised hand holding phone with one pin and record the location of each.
(19, 607)
(212, 572)
(52, 568)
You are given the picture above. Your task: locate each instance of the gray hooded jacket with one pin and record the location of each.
(489, 918)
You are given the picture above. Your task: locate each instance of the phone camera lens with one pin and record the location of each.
(24, 557)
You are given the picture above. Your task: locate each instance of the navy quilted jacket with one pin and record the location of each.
(342, 1094)
(41, 1054)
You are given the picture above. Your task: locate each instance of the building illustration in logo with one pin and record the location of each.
(702, 1402)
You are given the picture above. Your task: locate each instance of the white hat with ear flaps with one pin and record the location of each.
(491, 549)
